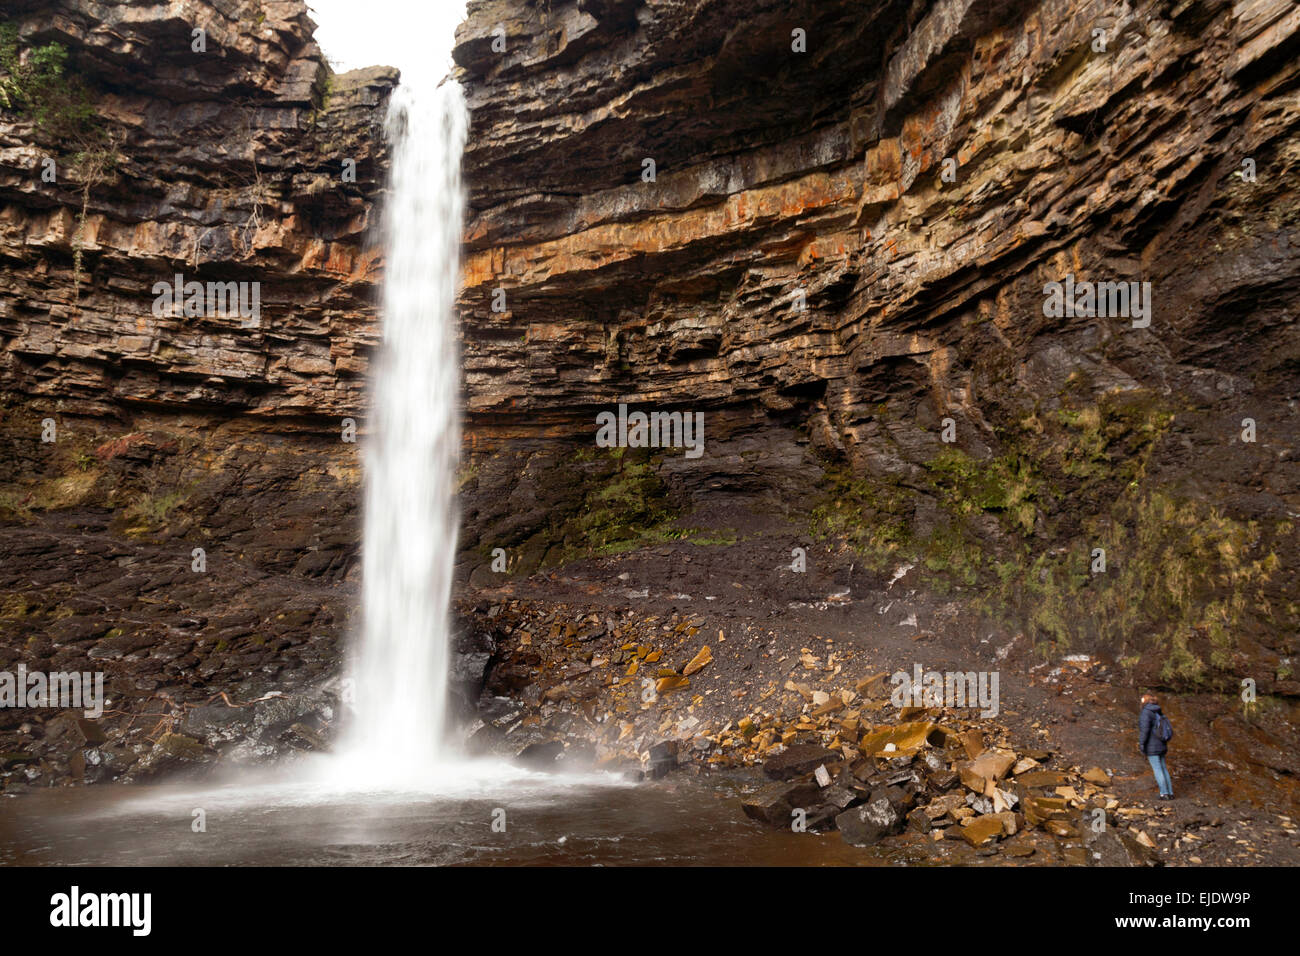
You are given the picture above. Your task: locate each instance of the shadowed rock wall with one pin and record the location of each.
(801, 270)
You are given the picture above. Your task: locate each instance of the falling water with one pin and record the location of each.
(401, 664)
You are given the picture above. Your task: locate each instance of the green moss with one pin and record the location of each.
(321, 100)
(868, 515)
(1110, 440)
(1006, 485)
(714, 538)
(623, 506)
(952, 555)
(874, 516)
(14, 606)
(14, 506)
(1180, 581)
(465, 475)
(1182, 578)
(1182, 666)
(153, 509)
(628, 505)
(150, 510)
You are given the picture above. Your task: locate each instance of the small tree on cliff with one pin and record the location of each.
(34, 83)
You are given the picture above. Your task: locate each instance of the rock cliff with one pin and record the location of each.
(832, 229)
(245, 162)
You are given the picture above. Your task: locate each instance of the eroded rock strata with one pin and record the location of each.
(802, 271)
(841, 259)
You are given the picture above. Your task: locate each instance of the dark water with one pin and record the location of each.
(589, 820)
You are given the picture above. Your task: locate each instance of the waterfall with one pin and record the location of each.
(400, 667)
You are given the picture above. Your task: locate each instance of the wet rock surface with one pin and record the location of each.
(237, 664)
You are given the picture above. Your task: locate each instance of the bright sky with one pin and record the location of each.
(413, 35)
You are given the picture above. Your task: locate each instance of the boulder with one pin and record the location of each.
(868, 824)
(663, 758)
(1061, 828)
(74, 731)
(798, 760)
(944, 779)
(822, 817)
(541, 755)
(840, 796)
(903, 738)
(901, 799)
(1117, 847)
(698, 661)
(484, 739)
(941, 806)
(1039, 810)
(989, 767)
(973, 743)
(933, 762)
(1097, 776)
(982, 830)
(774, 803)
(1043, 778)
(171, 753)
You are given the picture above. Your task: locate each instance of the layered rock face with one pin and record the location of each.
(179, 492)
(832, 228)
(229, 166)
(232, 158)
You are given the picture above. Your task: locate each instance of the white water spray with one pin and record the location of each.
(401, 667)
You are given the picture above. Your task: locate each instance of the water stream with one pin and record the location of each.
(401, 665)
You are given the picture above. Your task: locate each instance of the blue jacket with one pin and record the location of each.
(1148, 732)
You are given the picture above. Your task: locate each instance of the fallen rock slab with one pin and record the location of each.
(799, 759)
(775, 803)
(868, 824)
(982, 830)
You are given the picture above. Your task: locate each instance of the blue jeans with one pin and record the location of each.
(1162, 774)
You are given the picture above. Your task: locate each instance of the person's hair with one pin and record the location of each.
(1148, 698)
